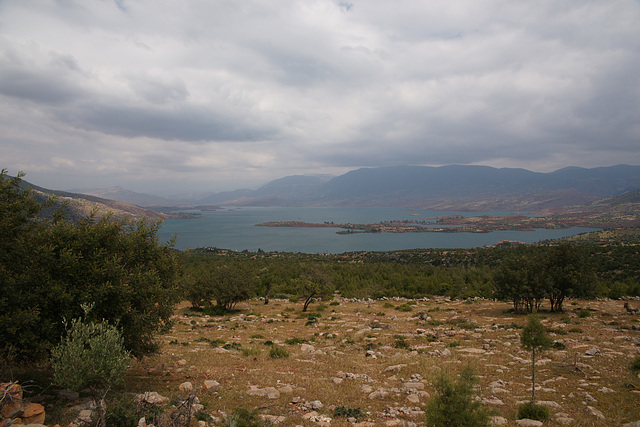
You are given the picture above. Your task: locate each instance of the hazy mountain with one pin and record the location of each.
(126, 196)
(454, 187)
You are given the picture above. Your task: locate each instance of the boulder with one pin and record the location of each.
(526, 422)
(210, 385)
(151, 398)
(186, 387)
(33, 414)
(13, 405)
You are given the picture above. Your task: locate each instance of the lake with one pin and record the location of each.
(235, 228)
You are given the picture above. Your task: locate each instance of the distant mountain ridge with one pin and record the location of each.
(81, 205)
(454, 187)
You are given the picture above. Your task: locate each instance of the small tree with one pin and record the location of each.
(92, 355)
(454, 403)
(534, 337)
(314, 283)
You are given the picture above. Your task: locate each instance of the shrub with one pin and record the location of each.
(401, 344)
(344, 412)
(533, 412)
(92, 356)
(635, 364)
(404, 307)
(251, 351)
(583, 312)
(278, 352)
(453, 403)
(293, 341)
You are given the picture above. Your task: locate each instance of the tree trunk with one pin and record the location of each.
(533, 377)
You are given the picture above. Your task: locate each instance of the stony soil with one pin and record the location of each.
(370, 356)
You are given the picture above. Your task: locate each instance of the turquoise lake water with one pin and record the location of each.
(235, 228)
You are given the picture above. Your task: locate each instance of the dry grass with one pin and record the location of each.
(344, 332)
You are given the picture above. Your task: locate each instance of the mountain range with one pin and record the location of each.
(454, 187)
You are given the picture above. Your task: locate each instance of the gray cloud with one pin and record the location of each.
(218, 94)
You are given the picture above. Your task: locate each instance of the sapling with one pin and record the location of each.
(534, 337)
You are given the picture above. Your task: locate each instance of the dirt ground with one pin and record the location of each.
(373, 359)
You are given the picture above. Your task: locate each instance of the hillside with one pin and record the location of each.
(81, 205)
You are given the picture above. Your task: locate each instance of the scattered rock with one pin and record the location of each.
(151, 398)
(186, 387)
(498, 421)
(592, 352)
(395, 368)
(336, 380)
(210, 385)
(379, 394)
(526, 422)
(307, 348)
(595, 412)
(492, 401)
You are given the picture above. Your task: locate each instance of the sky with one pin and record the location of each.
(178, 96)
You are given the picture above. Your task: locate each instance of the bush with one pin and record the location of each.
(453, 403)
(49, 267)
(533, 412)
(344, 412)
(635, 364)
(278, 352)
(92, 356)
(404, 307)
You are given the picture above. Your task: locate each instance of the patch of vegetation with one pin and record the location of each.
(575, 330)
(454, 402)
(232, 346)
(251, 351)
(583, 313)
(344, 412)
(294, 340)
(557, 345)
(278, 352)
(453, 344)
(635, 364)
(404, 307)
(533, 412)
(401, 343)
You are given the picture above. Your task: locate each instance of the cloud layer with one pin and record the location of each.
(165, 96)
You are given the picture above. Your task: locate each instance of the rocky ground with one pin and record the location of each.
(377, 360)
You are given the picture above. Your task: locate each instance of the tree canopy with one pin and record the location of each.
(50, 268)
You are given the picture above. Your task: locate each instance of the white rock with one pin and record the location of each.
(596, 413)
(498, 421)
(186, 386)
(525, 422)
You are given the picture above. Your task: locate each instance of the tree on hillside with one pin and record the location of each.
(52, 268)
(534, 337)
(520, 279)
(570, 274)
(313, 282)
(227, 284)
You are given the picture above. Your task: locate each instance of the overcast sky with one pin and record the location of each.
(172, 96)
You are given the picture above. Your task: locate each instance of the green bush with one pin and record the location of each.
(91, 355)
(453, 403)
(533, 412)
(401, 344)
(635, 364)
(278, 352)
(344, 412)
(251, 351)
(404, 307)
(49, 267)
